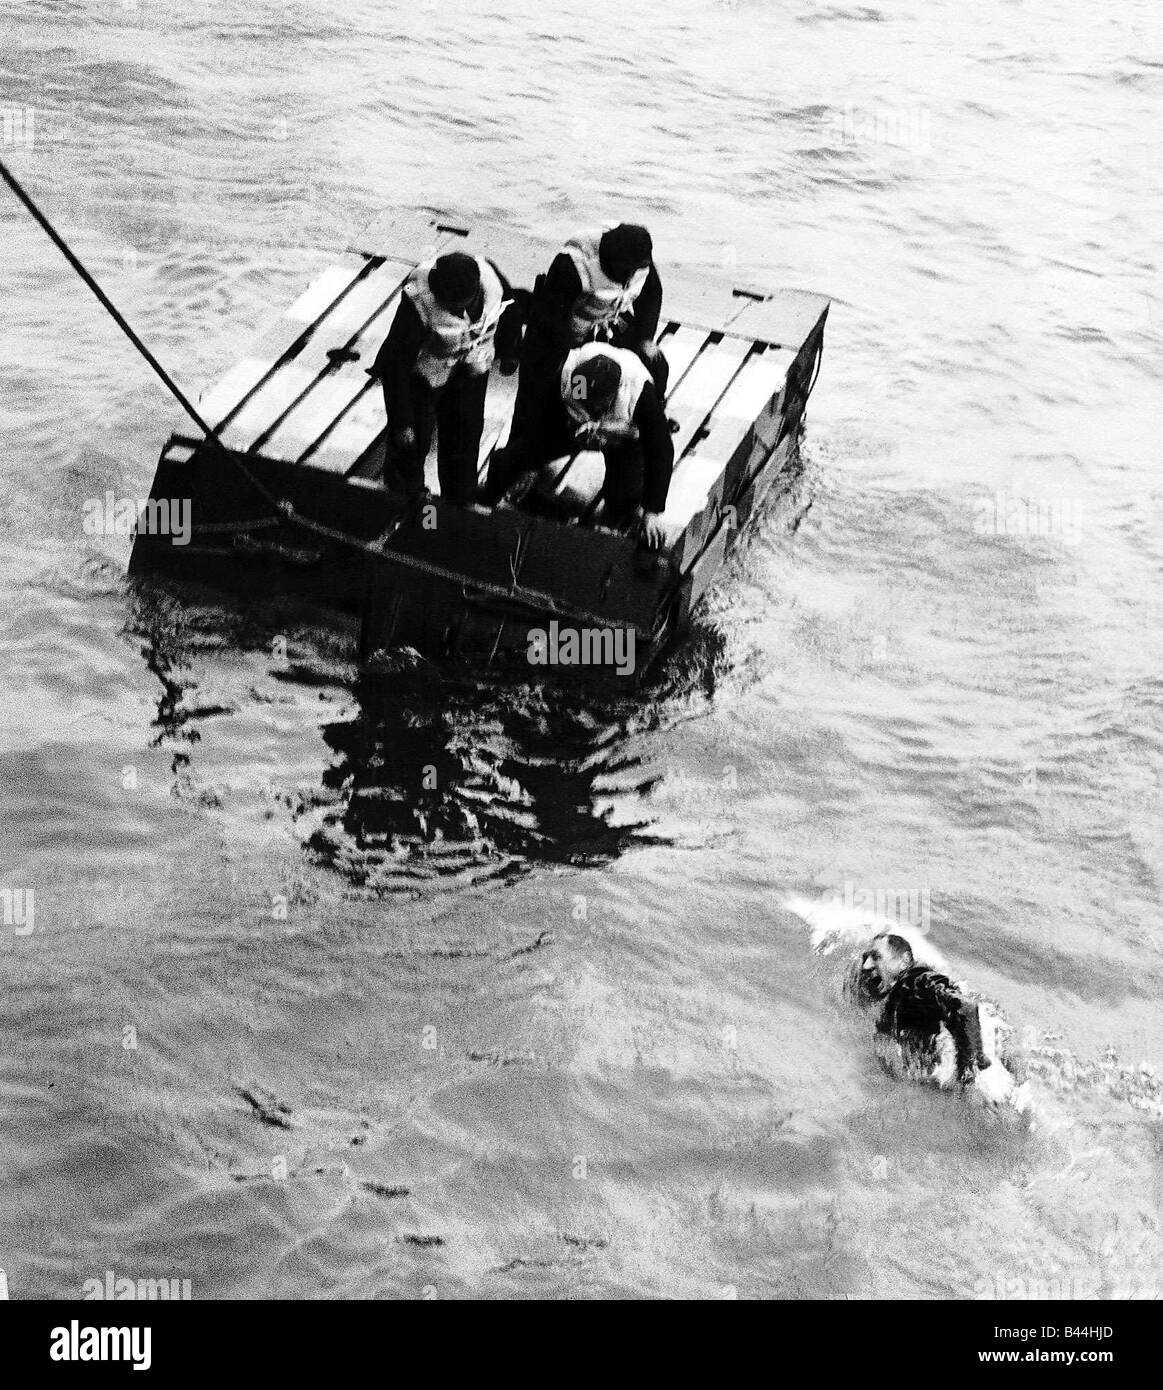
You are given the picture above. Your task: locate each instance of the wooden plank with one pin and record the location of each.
(680, 349)
(215, 403)
(362, 424)
(351, 434)
(760, 383)
(286, 428)
(784, 318)
(282, 341)
(699, 390)
(359, 324)
(324, 291)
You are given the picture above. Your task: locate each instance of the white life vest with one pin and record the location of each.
(616, 423)
(603, 303)
(452, 338)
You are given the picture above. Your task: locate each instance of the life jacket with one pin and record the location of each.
(616, 422)
(452, 339)
(603, 303)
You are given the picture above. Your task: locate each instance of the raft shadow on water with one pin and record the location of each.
(444, 772)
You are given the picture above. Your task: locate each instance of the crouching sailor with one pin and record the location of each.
(917, 1004)
(457, 314)
(605, 401)
(601, 286)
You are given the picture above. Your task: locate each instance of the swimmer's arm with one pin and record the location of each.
(961, 1018)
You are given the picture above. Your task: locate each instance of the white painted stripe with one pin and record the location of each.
(289, 382)
(680, 349)
(323, 291)
(224, 395)
(702, 386)
(333, 392)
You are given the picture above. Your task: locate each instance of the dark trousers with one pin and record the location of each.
(455, 412)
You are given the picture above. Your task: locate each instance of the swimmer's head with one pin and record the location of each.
(887, 958)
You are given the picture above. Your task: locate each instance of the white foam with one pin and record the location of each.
(836, 923)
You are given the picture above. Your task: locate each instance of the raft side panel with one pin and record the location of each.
(709, 474)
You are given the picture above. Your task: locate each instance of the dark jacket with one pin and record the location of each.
(657, 449)
(553, 300)
(920, 1001)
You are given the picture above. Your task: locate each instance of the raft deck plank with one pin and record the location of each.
(279, 342)
(680, 348)
(287, 413)
(697, 393)
(353, 433)
(338, 385)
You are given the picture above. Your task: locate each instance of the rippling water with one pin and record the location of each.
(545, 1027)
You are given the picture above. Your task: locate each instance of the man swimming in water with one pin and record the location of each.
(916, 1003)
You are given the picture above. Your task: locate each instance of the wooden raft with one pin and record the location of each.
(302, 394)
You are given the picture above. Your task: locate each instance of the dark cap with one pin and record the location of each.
(627, 248)
(455, 280)
(595, 381)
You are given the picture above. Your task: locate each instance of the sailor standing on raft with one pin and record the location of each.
(457, 314)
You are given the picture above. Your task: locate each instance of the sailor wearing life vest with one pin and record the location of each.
(457, 314)
(602, 287)
(607, 401)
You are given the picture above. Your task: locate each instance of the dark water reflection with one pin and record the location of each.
(437, 772)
